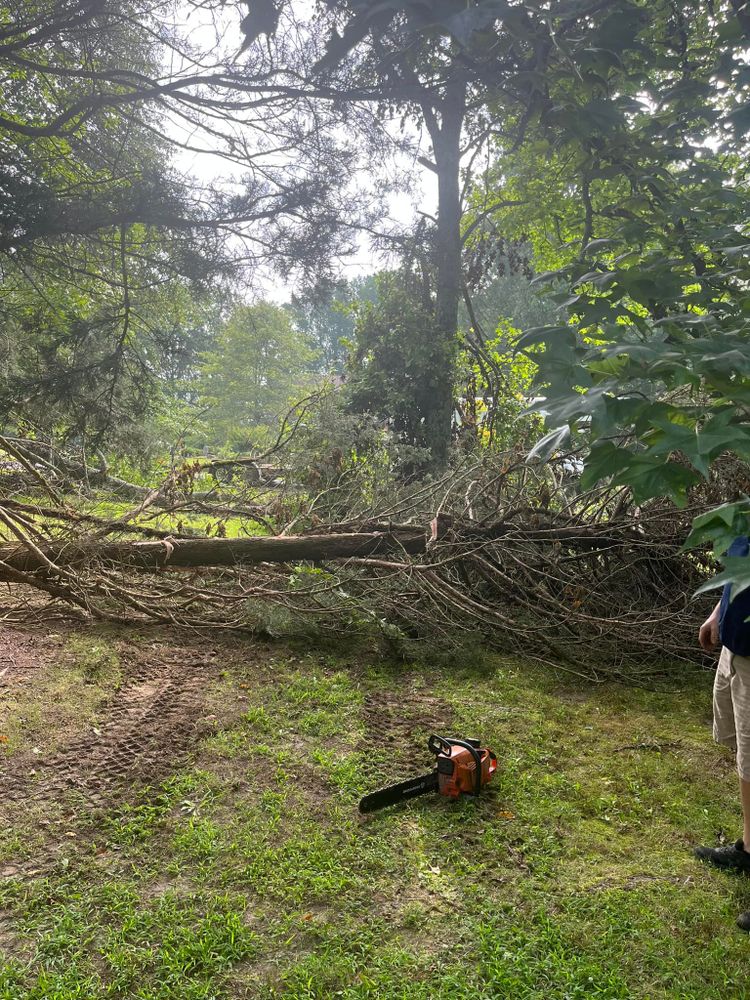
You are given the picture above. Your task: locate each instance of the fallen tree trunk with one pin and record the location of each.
(198, 552)
(509, 558)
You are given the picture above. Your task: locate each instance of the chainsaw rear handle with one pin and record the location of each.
(441, 746)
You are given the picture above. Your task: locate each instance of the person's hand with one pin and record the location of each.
(708, 634)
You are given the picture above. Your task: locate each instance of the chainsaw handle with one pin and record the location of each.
(439, 745)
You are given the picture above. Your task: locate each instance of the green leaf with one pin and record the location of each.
(720, 526)
(545, 334)
(739, 119)
(730, 31)
(646, 476)
(605, 459)
(549, 444)
(736, 573)
(600, 243)
(619, 29)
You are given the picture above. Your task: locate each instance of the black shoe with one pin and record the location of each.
(743, 921)
(733, 856)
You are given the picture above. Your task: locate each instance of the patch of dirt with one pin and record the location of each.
(420, 916)
(142, 733)
(175, 886)
(573, 696)
(21, 654)
(11, 942)
(395, 717)
(658, 746)
(412, 896)
(635, 881)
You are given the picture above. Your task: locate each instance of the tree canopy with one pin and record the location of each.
(259, 366)
(592, 151)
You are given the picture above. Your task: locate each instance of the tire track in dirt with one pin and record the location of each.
(395, 720)
(145, 731)
(397, 716)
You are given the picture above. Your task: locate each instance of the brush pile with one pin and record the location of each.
(495, 551)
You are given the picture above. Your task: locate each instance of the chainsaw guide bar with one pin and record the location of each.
(404, 790)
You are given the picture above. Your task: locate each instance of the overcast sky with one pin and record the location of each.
(212, 169)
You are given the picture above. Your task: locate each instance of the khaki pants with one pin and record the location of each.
(732, 707)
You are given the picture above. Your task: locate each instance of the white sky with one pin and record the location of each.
(211, 168)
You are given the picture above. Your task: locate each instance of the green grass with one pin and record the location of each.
(187, 522)
(252, 875)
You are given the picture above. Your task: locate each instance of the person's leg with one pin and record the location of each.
(741, 698)
(729, 729)
(743, 921)
(740, 688)
(735, 670)
(745, 797)
(724, 728)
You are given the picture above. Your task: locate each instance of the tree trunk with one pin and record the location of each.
(187, 553)
(446, 142)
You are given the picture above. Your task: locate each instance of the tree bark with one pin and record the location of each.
(188, 553)
(446, 142)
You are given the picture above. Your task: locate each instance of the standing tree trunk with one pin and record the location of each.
(446, 142)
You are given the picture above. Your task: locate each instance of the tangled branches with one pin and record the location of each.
(496, 552)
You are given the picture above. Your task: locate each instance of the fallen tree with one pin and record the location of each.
(186, 553)
(496, 552)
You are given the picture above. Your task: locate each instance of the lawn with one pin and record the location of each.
(211, 846)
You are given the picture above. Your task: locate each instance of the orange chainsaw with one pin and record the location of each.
(462, 768)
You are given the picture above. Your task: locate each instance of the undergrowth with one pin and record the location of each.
(250, 874)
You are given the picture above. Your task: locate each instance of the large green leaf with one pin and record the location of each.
(736, 572)
(720, 526)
